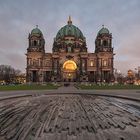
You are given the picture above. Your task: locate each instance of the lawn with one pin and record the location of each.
(106, 87)
(28, 87)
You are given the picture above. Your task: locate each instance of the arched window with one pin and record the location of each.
(69, 49)
(104, 63)
(91, 63)
(35, 42)
(104, 43)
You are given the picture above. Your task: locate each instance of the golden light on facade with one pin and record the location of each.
(130, 73)
(70, 65)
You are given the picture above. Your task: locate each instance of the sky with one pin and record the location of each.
(121, 17)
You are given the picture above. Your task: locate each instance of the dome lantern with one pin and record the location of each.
(69, 21)
(36, 31)
(103, 31)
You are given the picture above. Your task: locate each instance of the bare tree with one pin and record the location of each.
(7, 73)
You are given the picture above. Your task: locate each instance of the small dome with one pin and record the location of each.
(70, 30)
(36, 31)
(103, 31)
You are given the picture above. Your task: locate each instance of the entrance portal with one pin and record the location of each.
(69, 71)
(34, 76)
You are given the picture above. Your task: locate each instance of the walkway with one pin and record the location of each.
(134, 94)
(67, 89)
(64, 114)
(68, 117)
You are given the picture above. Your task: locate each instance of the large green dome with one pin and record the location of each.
(103, 31)
(36, 31)
(69, 30)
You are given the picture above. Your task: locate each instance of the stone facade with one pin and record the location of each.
(70, 60)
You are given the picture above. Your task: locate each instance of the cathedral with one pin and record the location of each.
(70, 60)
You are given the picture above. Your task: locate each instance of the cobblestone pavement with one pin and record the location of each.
(68, 117)
(131, 94)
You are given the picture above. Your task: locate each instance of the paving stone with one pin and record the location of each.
(67, 117)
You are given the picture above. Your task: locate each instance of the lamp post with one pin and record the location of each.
(136, 73)
(119, 76)
(101, 70)
(139, 72)
(115, 74)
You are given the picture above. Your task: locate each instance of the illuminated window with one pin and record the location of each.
(91, 63)
(83, 64)
(104, 63)
(70, 65)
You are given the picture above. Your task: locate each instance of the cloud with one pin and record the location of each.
(128, 51)
(18, 18)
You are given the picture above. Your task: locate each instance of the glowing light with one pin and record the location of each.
(70, 65)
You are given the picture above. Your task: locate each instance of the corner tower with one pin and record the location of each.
(105, 56)
(36, 41)
(35, 53)
(103, 42)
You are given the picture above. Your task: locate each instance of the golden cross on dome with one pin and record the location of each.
(69, 20)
